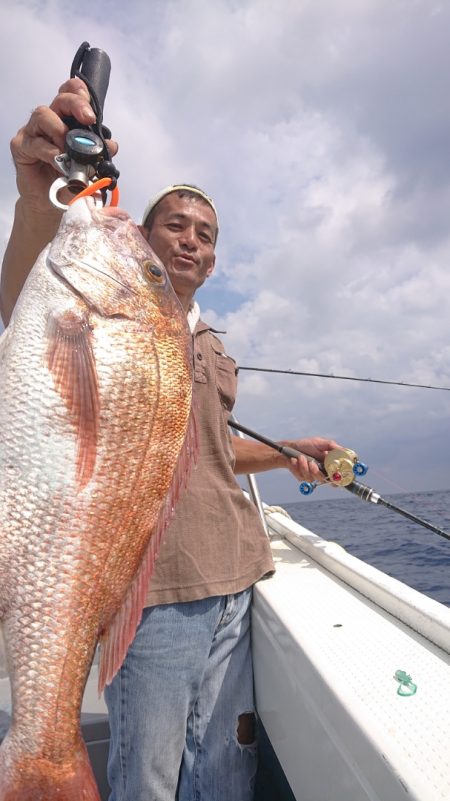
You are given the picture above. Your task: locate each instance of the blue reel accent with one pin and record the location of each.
(307, 487)
(360, 469)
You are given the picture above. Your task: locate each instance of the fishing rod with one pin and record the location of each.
(339, 468)
(343, 378)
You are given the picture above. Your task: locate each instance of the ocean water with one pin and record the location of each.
(385, 539)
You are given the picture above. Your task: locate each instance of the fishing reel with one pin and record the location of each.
(341, 466)
(86, 158)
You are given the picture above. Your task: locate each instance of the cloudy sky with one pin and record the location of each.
(322, 130)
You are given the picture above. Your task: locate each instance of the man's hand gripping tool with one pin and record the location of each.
(86, 159)
(340, 466)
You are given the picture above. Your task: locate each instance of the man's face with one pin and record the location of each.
(183, 235)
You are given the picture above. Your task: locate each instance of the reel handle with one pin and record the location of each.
(341, 465)
(307, 487)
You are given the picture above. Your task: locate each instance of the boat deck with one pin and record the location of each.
(325, 658)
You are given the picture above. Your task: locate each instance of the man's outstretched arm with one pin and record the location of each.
(36, 220)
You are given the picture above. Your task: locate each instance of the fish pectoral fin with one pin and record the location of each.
(71, 362)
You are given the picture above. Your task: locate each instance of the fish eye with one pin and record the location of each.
(153, 272)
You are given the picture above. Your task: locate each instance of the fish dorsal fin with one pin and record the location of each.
(71, 362)
(120, 633)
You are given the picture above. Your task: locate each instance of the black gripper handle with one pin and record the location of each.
(95, 66)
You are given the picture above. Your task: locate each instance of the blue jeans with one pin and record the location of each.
(181, 707)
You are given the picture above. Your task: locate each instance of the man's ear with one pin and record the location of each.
(144, 231)
(210, 269)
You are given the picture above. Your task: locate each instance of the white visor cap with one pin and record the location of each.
(179, 188)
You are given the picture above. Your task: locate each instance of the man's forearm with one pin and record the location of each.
(31, 232)
(254, 457)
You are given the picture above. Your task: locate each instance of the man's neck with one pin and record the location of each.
(185, 300)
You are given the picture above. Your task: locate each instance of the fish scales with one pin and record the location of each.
(96, 440)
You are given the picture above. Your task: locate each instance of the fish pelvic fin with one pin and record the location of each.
(120, 633)
(71, 362)
(35, 778)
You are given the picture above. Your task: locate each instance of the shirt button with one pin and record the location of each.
(199, 356)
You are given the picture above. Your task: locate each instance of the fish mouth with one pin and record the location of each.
(85, 208)
(111, 211)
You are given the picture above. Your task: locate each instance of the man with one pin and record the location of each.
(181, 707)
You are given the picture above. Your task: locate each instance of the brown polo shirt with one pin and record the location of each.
(215, 543)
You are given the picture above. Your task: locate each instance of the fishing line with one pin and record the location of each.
(379, 474)
(426, 503)
(352, 378)
(344, 378)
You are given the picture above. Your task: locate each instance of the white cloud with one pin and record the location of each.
(321, 129)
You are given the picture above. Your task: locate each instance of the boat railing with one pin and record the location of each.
(421, 613)
(252, 484)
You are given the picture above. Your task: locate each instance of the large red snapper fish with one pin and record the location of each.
(96, 440)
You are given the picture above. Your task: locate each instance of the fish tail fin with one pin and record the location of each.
(34, 778)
